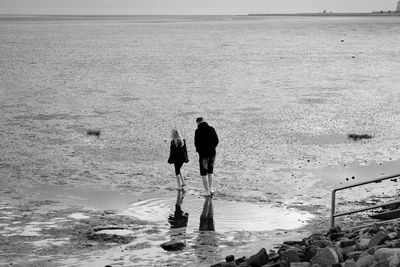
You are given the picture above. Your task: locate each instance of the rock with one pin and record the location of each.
(325, 257)
(383, 263)
(347, 243)
(336, 236)
(310, 252)
(366, 261)
(335, 229)
(393, 243)
(339, 253)
(299, 264)
(392, 235)
(272, 264)
(349, 263)
(384, 253)
(316, 239)
(356, 137)
(229, 264)
(258, 259)
(93, 132)
(225, 264)
(229, 258)
(353, 255)
(173, 245)
(347, 250)
(293, 243)
(240, 260)
(363, 243)
(378, 239)
(290, 256)
(395, 260)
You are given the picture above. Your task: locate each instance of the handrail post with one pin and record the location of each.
(333, 208)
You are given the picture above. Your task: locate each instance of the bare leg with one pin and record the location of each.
(205, 184)
(182, 180)
(210, 181)
(178, 179)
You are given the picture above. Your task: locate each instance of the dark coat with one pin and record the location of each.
(205, 140)
(178, 153)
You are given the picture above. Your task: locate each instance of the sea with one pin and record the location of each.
(282, 92)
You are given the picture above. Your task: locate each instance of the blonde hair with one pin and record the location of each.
(176, 137)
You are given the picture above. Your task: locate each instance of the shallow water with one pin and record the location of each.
(228, 216)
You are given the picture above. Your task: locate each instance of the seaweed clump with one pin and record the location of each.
(356, 137)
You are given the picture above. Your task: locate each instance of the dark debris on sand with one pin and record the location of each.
(357, 137)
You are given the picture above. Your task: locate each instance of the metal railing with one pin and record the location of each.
(334, 215)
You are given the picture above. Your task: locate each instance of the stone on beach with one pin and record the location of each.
(173, 245)
(366, 261)
(325, 257)
(384, 253)
(378, 239)
(258, 259)
(93, 132)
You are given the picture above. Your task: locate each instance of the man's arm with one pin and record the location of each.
(215, 137)
(196, 141)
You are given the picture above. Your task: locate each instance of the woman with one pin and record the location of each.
(178, 156)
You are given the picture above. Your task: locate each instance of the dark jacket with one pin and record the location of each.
(178, 153)
(205, 140)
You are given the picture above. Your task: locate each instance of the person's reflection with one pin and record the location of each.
(206, 242)
(179, 219)
(207, 216)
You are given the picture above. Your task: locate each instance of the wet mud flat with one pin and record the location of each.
(37, 231)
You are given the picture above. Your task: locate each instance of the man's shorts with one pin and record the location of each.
(206, 164)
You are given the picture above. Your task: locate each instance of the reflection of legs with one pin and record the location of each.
(179, 218)
(203, 162)
(207, 216)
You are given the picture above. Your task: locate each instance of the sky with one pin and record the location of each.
(189, 7)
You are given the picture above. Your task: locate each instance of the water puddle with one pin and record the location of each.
(210, 227)
(226, 215)
(98, 198)
(347, 174)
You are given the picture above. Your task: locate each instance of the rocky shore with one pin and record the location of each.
(376, 245)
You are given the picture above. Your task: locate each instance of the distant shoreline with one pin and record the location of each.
(373, 14)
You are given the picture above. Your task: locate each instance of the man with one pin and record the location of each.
(205, 141)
